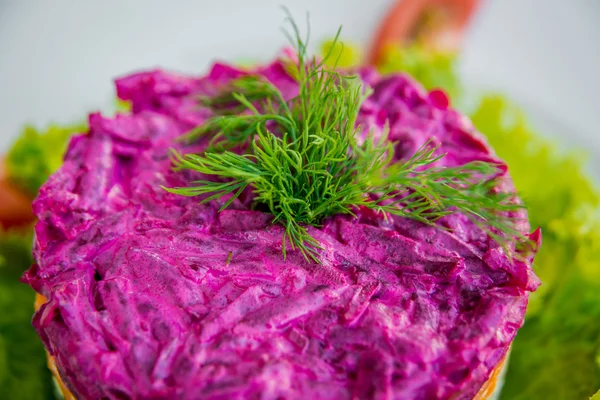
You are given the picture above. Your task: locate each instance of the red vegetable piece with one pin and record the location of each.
(438, 23)
(15, 206)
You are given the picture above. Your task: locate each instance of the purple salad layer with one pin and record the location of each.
(153, 296)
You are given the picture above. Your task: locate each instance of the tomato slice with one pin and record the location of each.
(15, 206)
(437, 23)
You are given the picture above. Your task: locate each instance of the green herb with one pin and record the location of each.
(304, 163)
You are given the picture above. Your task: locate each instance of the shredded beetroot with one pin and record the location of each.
(153, 296)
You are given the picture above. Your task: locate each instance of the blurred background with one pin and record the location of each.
(58, 58)
(525, 71)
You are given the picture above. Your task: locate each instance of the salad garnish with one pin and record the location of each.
(304, 162)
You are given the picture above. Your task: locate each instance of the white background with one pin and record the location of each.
(58, 58)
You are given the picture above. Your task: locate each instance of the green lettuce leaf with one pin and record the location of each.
(433, 69)
(35, 155)
(23, 371)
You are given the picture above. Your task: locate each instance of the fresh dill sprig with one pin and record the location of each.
(304, 163)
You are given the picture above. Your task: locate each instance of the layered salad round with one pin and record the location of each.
(151, 295)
